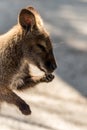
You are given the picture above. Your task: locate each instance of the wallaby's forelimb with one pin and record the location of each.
(10, 97)
(32, 81)
(23, 80)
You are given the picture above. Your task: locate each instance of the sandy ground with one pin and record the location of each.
(62, 104)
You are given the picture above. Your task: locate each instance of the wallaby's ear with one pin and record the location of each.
(26, 19)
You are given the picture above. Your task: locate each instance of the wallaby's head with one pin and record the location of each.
(37, 47)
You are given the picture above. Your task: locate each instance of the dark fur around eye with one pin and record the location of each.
(41, 47)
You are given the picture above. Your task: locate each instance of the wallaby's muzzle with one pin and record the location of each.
(50, 65)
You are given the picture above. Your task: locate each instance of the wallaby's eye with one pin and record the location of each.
(41, 47)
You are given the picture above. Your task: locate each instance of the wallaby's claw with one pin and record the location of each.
(47, 78)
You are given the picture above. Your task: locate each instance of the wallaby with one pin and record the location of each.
(26, 43)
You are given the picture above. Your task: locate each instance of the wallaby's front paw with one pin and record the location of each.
(25, 109)
(47, 78)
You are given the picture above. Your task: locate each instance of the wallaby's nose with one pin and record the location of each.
(54, 66)
(51, 66)
(51, 63)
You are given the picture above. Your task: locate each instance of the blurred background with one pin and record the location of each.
(61, 104)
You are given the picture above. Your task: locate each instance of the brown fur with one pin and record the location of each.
(26, 43)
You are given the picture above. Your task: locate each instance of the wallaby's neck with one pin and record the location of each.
(14, 36)
(10, 45)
